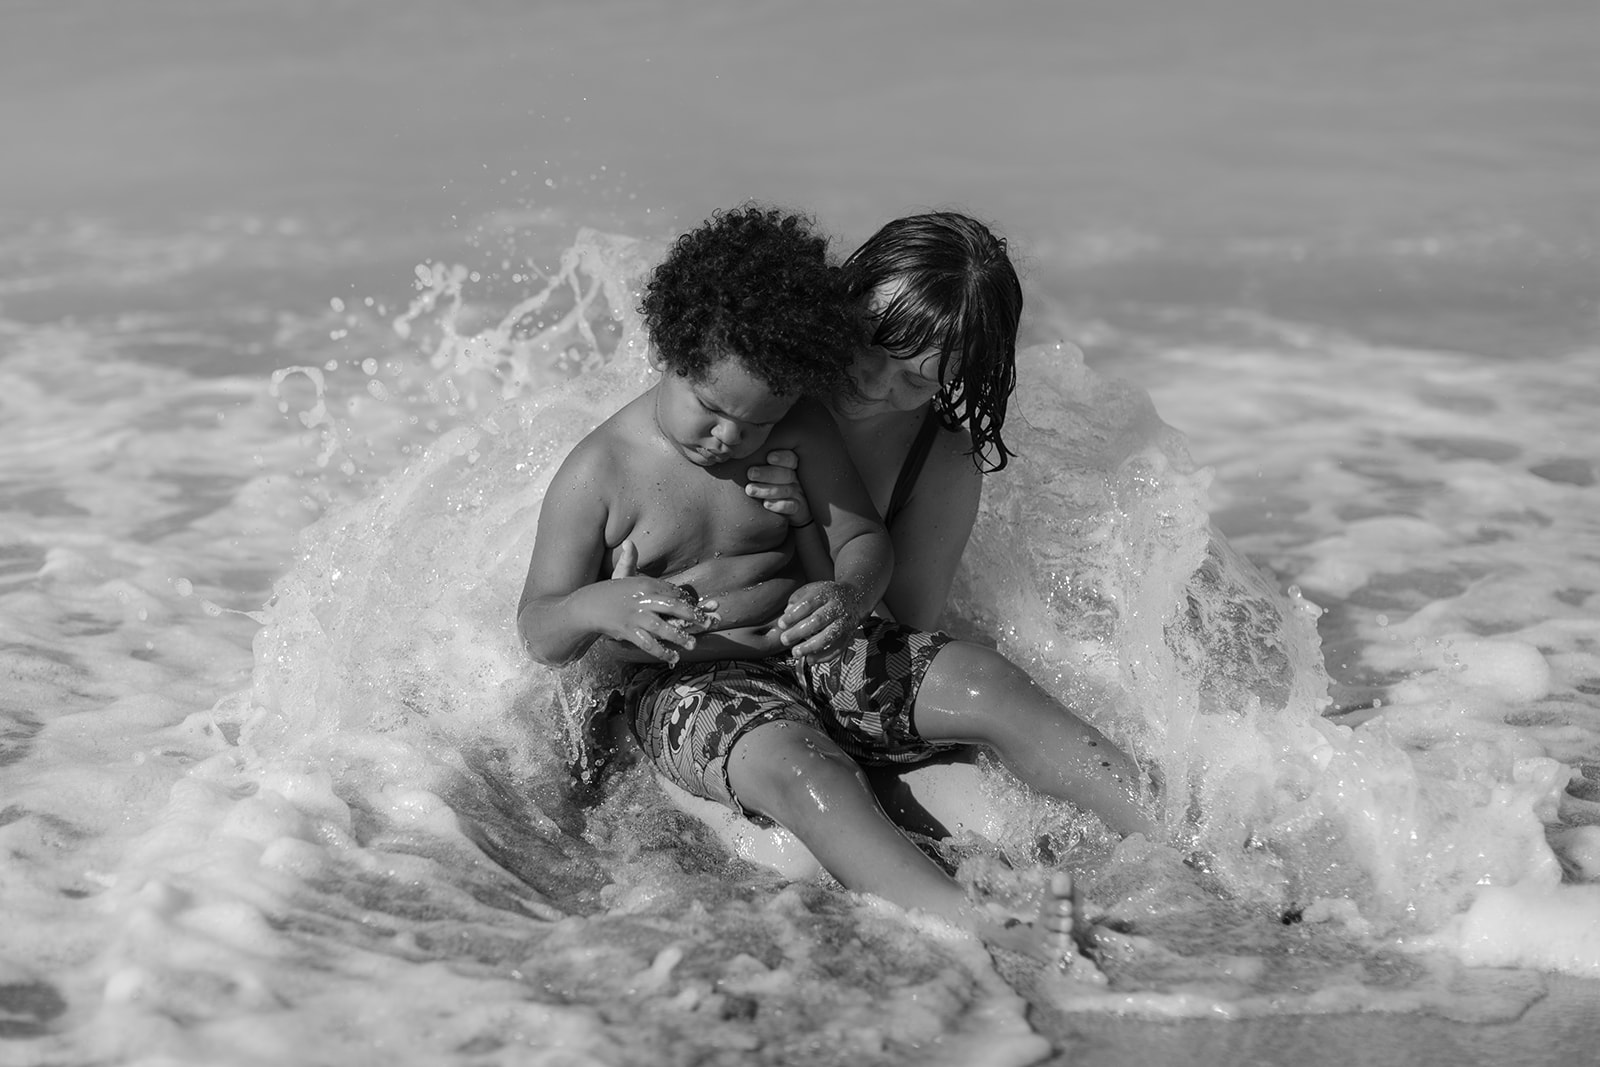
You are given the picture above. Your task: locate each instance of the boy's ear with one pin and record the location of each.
(656, 362)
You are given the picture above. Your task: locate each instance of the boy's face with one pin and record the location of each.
(727, 415)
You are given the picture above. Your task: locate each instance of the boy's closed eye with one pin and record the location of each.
(712, 409)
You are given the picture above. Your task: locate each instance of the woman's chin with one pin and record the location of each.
(856, 409)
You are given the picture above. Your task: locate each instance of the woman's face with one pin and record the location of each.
(888, 381)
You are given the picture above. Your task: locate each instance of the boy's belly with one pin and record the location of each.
(754, 605)
(749, 590)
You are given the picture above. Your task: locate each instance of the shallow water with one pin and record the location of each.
(276, 784)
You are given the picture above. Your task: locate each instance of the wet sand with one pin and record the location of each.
(1561, 1027)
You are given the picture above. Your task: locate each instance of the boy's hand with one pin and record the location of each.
(651, 614)
(820, 620)
(778, 487)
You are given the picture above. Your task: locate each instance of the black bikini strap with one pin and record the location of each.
(911, 469)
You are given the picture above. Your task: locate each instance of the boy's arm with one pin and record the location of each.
(563, 607)
(736, 642)
(771, 483)
(824, 614)
(741, 642)
(811, 549)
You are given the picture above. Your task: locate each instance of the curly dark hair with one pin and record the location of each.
(754, 282)
(958, 294)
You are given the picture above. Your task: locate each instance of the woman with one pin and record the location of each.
(923, 421)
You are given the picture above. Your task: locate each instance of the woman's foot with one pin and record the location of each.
(1060, 938)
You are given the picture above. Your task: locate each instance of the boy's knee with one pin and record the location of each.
(791, 773)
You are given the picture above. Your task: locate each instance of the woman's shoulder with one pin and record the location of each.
(950, 456)
(946, 481)
(807, 423)
(958, 439)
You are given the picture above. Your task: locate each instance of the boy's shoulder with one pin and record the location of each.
(613, 444)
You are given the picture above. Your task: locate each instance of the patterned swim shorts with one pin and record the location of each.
(688, 718)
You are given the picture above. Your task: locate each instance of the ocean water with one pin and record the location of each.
(300, 303)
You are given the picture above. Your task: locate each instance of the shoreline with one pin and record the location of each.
(1553, 1030)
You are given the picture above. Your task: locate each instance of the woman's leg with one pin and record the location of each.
(974, 694)
(799, 778)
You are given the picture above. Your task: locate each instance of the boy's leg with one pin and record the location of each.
(795, 775)
(974, 694)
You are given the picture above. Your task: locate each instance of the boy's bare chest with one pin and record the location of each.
(680, 522)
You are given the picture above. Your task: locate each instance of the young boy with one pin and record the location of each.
(745, 316)
(772, 711)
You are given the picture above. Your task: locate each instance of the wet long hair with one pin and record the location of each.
(957, 294)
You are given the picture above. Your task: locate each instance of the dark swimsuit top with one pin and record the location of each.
(911, 469)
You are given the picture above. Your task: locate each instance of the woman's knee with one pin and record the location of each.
(974, 669)
(974, 694)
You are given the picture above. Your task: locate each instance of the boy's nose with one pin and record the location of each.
(728, 433)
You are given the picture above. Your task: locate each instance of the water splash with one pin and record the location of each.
(1095, 566)
(390, 660)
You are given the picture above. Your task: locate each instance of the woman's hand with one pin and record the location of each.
(777, 486)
